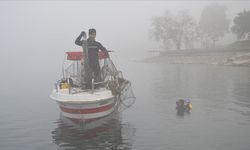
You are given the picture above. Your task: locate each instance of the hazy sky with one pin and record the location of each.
(35, 29)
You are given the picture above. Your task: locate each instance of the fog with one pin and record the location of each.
(35, 35)
(35, 32)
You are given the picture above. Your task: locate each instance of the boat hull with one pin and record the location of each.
(86, 111)
(85, 107)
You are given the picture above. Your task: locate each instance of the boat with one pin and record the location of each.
(86, 104)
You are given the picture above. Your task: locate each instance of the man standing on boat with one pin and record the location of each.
(93, 47)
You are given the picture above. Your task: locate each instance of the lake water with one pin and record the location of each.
(220, 119)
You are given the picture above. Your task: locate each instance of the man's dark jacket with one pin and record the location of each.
(93, 48)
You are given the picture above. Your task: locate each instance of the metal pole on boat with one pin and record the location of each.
(69, 85)
(92, 85)
(63, 66)
(56, 86)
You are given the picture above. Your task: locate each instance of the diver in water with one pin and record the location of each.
(180, 107)
(183, 106)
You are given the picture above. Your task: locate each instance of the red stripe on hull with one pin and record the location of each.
(86, 111)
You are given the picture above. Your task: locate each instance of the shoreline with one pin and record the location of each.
(214, 57)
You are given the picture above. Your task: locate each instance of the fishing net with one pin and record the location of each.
(119, 86)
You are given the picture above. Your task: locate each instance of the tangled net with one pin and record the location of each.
(119, 86)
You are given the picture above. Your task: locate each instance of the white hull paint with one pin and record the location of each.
(85, 106)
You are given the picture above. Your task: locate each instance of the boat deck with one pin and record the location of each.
(78, 95)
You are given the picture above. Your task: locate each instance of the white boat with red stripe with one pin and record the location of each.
(84, 104)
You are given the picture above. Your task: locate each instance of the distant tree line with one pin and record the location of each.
(241, 25)
(182, 31)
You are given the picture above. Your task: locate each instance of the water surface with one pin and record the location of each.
(220, 118)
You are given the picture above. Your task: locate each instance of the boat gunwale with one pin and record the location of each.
(76, 98)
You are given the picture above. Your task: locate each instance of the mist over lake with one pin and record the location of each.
(34, 38)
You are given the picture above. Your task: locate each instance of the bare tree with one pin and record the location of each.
(177, 29)
(187, 26)
(213, 22)
(241, 25)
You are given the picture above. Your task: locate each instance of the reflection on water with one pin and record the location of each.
(219, 120)
(181, 113)
(241, 94)
(211, 87)
(105, 133)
